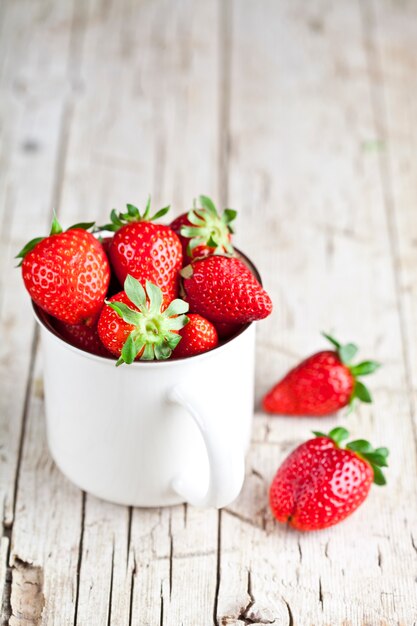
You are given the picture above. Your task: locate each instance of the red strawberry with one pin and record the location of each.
(321, 384)
(203, 231)
(67, 273)
(133, 326)
(114, 285)
(145, 250)
(198, 336)
(106, 243)
(225, 330)
(81, 336)
(223, 289)
(320, 484)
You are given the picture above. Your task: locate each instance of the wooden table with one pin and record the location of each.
(303, 116)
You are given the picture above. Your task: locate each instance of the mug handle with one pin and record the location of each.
(226, 459)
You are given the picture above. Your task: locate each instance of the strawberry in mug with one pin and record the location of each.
(69, 274)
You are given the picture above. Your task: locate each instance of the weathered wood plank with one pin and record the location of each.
(146, 121)
(32, 126)
(31, 110)
(392, 49)
(300, 165)
(48, 509)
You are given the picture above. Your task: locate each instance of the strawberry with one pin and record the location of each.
(146, 251)
(67, 273)
(203, 231)
(198, 336)
(114, 285)
(223, 289)
(133, 326)
(321, 384)
(81, 336)
(320, 484)
(106, 243)
(225, 330)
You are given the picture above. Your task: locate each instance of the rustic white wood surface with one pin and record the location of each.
(303, 116)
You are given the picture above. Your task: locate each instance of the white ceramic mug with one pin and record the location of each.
(151, 433)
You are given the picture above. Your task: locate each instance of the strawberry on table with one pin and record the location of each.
(224, 290)
(198, 336)
(145, 250)
(67, 273)
(203, 231)
(321, 384)
(320, 483)
(133, 324)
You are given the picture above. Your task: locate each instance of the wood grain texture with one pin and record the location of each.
(301, 116)
(34, 62)
(324, 248)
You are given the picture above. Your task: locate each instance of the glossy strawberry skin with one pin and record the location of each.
(223, 289)
(67, 275)
(112, 329)
(318, 386)
(198, 336)
(319, 485)
(198, 252)
(81, 336)
(148, 251)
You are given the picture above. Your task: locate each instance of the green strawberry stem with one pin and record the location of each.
(376, 457)
(133, 214)
(346, 353)
(209, 228)
(154, 333)
(56, 229)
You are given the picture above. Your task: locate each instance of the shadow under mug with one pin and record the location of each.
(152, 433)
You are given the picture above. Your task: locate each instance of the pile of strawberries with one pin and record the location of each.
(126, 295)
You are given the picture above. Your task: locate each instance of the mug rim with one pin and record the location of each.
(41, 318)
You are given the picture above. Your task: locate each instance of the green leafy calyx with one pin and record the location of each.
(346, 353)
(155, 332)
(376, 457)
(56, 229)
(209, 228)
(133, 214)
